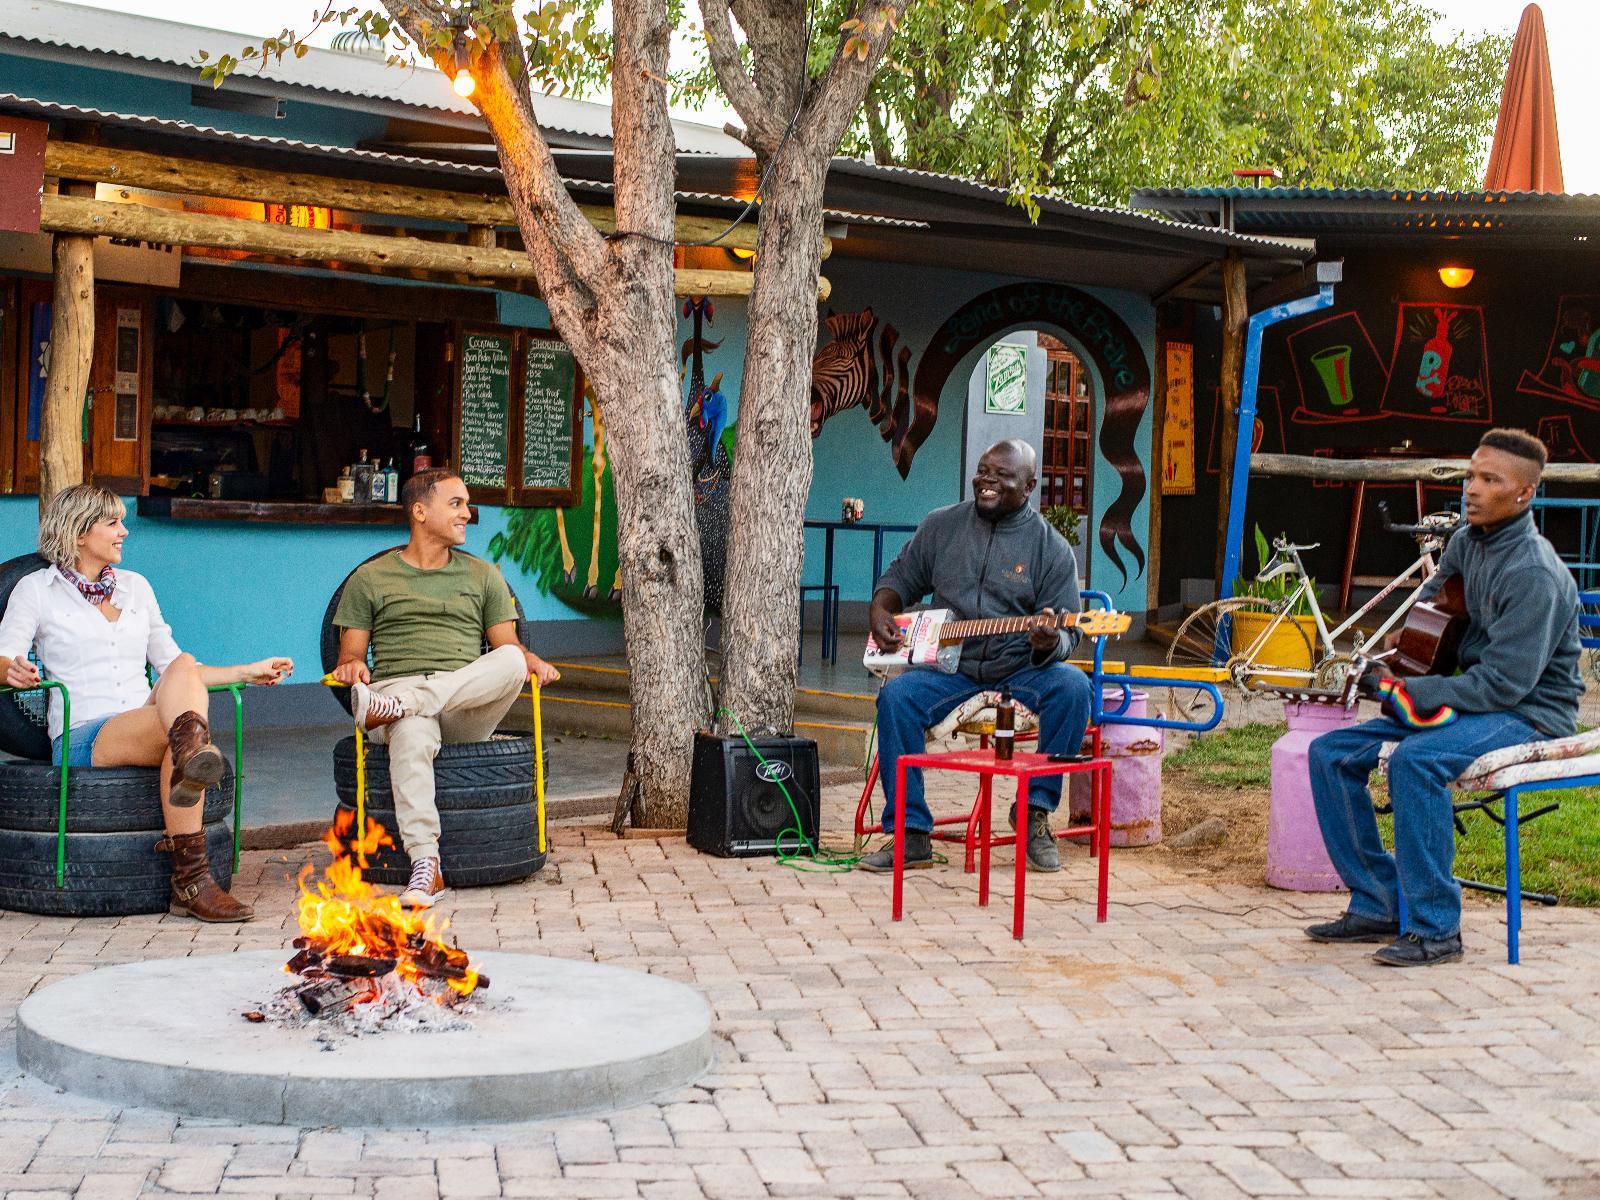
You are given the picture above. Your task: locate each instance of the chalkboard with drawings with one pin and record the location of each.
(517, 418)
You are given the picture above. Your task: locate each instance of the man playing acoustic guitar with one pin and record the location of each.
(1518, 683)
(991, 556)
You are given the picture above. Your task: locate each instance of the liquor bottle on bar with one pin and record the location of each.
(363, 473)
(391, 483)
(1005, 725)
(420, 452)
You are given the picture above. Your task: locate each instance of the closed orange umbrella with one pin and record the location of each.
(1526, 155)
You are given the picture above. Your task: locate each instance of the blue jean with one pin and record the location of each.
(1423, 766)
(82, 750)
(912, 702)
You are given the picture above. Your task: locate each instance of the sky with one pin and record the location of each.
(1573, 27)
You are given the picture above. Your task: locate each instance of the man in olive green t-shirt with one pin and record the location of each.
(425, 611)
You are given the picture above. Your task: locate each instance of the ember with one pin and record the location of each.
(357, 947)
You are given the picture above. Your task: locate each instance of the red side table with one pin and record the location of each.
(1023, 767)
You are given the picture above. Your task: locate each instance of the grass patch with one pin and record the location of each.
(1239, 757)
(1560, 850)
(1229, 773)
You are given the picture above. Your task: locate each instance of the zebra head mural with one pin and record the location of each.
(856, 369)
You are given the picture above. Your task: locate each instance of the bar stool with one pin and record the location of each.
(829, 594)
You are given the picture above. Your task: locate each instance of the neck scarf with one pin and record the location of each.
(95, 591)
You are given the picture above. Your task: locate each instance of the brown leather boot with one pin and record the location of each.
(196, 763)
(195, 893)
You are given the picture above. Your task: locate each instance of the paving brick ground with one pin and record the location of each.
(1195, 1046)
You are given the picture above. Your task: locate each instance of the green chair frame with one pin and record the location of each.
(236, 690)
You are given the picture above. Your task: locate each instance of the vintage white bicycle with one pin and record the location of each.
(1287, 642)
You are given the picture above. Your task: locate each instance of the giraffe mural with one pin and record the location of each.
(569, 562)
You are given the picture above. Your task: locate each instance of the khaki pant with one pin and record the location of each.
(451, 706)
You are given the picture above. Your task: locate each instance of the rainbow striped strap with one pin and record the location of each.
(1399, 704)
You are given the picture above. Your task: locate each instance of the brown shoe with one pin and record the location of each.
(195, 893)
(426, 886)
(196, 763)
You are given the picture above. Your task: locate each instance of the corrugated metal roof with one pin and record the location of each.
(1384, 211)
(401, 163)
(169, 44)
(1125, 217)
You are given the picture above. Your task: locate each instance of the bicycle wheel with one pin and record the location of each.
(1209, 627)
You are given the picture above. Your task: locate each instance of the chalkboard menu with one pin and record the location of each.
(547, 416)
(485, 408)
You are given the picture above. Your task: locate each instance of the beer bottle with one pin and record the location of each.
(1005, 725)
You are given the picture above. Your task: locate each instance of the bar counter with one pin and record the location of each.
(276, 512)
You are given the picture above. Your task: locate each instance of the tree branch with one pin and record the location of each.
(764, 130)
(840, 91)
(558, 232)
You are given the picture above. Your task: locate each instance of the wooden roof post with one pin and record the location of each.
(71, 351)
(1235, 315)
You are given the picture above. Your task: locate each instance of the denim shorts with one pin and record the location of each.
(83, 736)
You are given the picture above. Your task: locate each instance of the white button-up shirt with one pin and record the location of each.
(101, 662)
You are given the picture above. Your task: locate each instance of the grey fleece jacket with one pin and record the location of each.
(978, 568)
(1520, 651)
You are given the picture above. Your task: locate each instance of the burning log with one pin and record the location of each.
(359, 966)
(329, 997)
(356, 946)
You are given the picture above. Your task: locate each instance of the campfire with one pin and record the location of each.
(365, 957)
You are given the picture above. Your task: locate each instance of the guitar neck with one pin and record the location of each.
(955, 631)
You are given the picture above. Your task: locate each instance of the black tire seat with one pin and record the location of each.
(488, 825)
(113, 823)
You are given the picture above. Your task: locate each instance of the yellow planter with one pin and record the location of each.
(1284, 647)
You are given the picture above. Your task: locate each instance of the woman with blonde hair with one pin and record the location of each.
(95, 628)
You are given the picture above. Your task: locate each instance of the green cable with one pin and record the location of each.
(808, 856)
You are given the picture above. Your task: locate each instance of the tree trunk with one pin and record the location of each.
(772, 470)
(611, 300)
(71, 351)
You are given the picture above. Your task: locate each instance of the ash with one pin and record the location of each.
(390, 1006)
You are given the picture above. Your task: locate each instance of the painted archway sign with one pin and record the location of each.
(862, 366)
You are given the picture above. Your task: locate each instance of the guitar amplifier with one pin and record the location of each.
(737, 808)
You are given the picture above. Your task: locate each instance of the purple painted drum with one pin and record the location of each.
(1136, 754)
(1296, 858)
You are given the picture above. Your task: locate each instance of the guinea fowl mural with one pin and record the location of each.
(705, 421)
(862, 367)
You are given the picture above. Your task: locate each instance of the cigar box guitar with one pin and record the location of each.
(932, 639)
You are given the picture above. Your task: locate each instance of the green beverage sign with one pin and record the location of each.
(1006, 388)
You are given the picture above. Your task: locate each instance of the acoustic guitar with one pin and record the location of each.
(1428, 641)
(932, 639)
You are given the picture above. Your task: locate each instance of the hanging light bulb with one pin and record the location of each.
(464, 83)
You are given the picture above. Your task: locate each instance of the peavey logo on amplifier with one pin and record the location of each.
(774, 772)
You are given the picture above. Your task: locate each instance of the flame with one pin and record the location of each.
(341, 913)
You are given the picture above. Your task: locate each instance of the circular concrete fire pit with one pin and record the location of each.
(555, 1038)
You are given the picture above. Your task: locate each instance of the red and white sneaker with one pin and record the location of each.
(373, 710)
(426, 886)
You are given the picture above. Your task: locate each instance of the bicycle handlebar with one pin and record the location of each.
(1432, 525)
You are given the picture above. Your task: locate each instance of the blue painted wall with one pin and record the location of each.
(851, 459)
(235, 591)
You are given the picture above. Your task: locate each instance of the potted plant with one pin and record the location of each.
(1068, 522)
(1290, 644)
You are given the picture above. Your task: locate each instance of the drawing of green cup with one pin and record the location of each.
(1333, 368)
